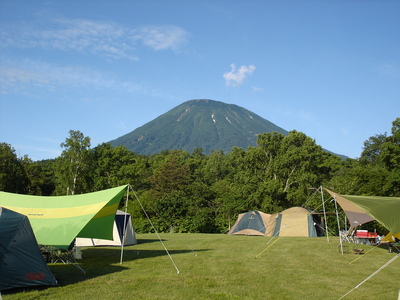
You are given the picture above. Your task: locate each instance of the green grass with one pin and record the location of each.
(216, 266)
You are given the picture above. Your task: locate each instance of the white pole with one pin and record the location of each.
(338, 224)
(323, 205)
(124, 232)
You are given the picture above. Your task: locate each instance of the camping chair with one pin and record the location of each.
(56, 255)
(348, 236)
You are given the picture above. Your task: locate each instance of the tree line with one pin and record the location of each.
(195, 192)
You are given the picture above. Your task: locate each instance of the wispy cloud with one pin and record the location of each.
(236, 77)
(105, 39)
(162, 37)
(257, 89)
(44, 139)
(38, 153)
(389, 70)
(26, 75)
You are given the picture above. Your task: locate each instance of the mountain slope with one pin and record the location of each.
(209, 124)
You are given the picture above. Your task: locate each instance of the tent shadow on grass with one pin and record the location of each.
(97, 262)
(388, 247)
(146, 241)
(98, 257)
(67, 274)
(100, 261)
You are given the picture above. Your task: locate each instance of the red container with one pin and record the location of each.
(362, 233)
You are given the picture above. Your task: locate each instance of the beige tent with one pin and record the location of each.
(295, 221)
(119, 234)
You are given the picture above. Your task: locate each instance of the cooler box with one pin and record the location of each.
(362, 233)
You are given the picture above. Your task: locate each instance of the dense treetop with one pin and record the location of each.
(198, 192)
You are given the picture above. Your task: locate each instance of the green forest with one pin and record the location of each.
(195, 192)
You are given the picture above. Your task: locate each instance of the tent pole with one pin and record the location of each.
(323, 205)
(124, 232)
(338, 224)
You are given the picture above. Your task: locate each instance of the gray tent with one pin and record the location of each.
(21, 262)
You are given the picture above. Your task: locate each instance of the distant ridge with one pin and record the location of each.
(209, 124)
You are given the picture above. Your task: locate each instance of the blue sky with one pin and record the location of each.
(330, 69)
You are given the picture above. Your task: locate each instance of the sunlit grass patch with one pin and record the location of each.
(216, 266)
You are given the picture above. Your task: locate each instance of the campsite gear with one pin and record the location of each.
(21, 262)
(358, 251)
(392, 241)
(122, 232)
(58, 220)
(57, 255)
(363, 209)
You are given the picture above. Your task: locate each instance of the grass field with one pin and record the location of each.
(217, 266)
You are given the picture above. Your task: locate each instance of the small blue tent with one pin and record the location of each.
(253, 223)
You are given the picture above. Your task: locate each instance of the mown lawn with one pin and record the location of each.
(217, 266)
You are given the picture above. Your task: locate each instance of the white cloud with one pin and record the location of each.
(27, 74)
(162, 37)
(236, 77)
(389, 70)
(37, 153)
(105, 39)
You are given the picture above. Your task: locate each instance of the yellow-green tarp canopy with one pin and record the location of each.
(57, 220)
(362, 209)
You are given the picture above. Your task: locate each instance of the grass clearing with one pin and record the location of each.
(217, 266)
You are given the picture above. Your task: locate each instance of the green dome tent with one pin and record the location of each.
(21, 262)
